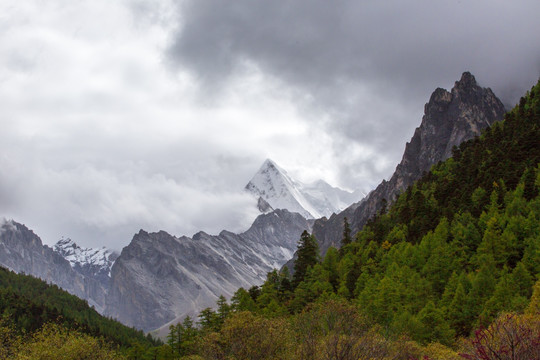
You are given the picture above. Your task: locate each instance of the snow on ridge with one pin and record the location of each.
(100, 258)
(312, 201)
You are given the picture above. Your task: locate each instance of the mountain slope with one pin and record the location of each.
(158, 277)
(22, 251)
(29, 303)
(273, 185)
(450, 118)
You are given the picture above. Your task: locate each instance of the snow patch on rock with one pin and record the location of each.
(313, 201)
(96, 261)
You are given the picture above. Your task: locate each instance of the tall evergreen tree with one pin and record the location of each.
(208, 320)
(242, 301)
(458, 317)
(223, 309)
(347, 239)
(308, 256)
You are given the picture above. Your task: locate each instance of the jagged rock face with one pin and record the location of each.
(22, 251)
(90, 262)
(450, 118)
(263, 206)
(159, 278)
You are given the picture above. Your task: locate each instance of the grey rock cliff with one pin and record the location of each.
(94, 263)
(22, 251)
(159, 278)
(449, 119)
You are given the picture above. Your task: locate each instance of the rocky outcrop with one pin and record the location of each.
(263, 206)
(94, 263)
(22, 251)
(449, 119)
(159, 277)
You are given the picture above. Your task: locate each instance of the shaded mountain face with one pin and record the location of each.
(275, 189)
(449, 119)
(159, 278)
(22, 251)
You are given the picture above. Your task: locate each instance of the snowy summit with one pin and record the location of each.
(316, 200)
(88, 261)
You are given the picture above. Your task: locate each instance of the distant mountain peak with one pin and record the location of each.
(275, 188)
(268, 163)
(87, 261)
(467, 79)
(270, 166)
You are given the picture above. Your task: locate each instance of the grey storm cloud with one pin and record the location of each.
(324, 45)
(369, 65)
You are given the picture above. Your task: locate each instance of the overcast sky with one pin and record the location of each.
(129, 114)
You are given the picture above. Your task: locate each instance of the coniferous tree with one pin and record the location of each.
(222, 310)
(254, 292)
(242, 301)
(330, 267)
(174, 338)
(530, 190)
(308, 256)
(347, 239)
(434, 326)
(458, 317)
(208, 320)
(285, 286)
(189, 337)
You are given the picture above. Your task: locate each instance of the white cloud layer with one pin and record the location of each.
(132, 114)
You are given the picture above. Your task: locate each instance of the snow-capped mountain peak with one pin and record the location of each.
(280, 191)
(96, 262)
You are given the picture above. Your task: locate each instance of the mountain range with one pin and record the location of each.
(178, 276)
(159, 278)
(191, 271)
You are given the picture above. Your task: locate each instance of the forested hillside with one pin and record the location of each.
(52, 317)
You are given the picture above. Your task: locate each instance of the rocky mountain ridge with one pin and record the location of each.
(91, 262)
(158, 278)
(22, 251)
(449, 119)
(177, 276)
